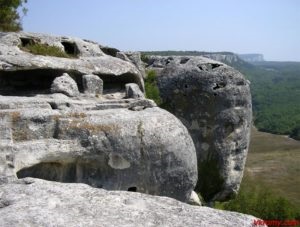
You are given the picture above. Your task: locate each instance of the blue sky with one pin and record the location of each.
(270, 27)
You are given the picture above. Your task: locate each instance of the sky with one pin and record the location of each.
(269, 27)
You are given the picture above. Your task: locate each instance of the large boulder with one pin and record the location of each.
(214, 102)
(104, 144)
(34, 202)
(87, 126)
(92, 85)
(133, 91)
(66, 85)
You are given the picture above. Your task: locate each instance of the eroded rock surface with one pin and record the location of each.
(75, 120)
(87, 58)
(92, 85)
(133, 91)
(66, 85)
(214, 102)
(103, 144)
(34, 202)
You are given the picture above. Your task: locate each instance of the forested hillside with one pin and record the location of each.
(276, 96)
(275, 88)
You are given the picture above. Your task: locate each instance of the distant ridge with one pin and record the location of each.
(252, 57)
(226, 57)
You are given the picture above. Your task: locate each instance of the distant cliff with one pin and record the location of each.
(229, 58)
(252, 57)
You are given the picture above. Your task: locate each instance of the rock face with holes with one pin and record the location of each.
(85, 58)
(34, 202)
(106, 145)
(214, 102)
(74, 120)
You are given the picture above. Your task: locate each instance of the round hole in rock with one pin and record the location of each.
(132, 189)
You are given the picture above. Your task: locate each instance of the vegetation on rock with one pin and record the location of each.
(152, 91)
(261, 202)
(46, 50)
(270, 186)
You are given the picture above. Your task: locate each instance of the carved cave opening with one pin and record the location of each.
(27, 41)
(70, 48)
(109, 51)
(32, 82)
(117, 83)
(132, 189)
(90, 173)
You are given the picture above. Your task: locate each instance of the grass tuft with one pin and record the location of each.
(152, 91)
(45, 50)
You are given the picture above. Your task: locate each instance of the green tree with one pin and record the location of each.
(10, 18)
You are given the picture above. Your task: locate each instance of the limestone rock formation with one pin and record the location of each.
(87, 58)
(82, 118)
(213, 101)
(135, 58)
(66, 85)
(92, 85)
(79, 135)
(34, 202)
(133, 91)
(105, 145)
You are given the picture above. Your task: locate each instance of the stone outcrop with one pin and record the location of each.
(87, 58)
(34, 202)
(83, 118)
(66, 85)
(76, 121)
(133, 91)
(213, 101)
(104, 144)
(92, 85)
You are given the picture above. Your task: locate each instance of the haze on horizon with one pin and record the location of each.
(269, 27)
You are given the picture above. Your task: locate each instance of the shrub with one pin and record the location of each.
(295, 133)
(144, 58)
(257, 200)
(151, 88)
(46, 50)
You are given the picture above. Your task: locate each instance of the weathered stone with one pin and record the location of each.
(213, 101)
(122, 56)
(111, 148)
(88, 58)
(133, 91)
(135, 58)
(66, 85)
(34, 202)
(194, 199)
(92, 84)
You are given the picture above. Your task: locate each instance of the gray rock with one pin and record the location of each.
(135, 58)
(33, 202)
(214, 102)
(133, 91)
(88, 58)
(122, 56)
(66, 85)
(92, 84)
(194, 199)
(109, 147)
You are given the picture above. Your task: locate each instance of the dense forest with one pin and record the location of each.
(275, 88)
